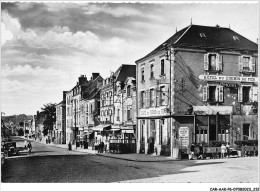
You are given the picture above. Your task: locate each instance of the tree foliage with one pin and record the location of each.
(49, 112)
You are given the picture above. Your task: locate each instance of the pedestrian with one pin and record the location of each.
(69, 146)
(29, 146)
(25, 143)
(102, 146)
(223, 150)
(192, 149)
(228, 149)
(200, 152)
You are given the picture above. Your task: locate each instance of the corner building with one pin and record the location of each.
(200, 85)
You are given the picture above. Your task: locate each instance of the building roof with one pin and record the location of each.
(124, 71)
(197, 36)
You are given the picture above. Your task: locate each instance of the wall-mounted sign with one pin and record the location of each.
(228, 78)
(152, 112)
(184, 136)
(233, 85)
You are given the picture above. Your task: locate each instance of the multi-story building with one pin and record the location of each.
(83, 88)
(200, 85)
(128, 128)
(111, 110)
(90, 108)
(60, 132)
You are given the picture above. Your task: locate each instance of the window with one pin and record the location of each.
(118, 116)
(213, 93)
(152, 97)
(142, 95)
(162, 67)
(128, 91)
(246, 94)
(142, 74)
(213, 62)
(91, 110)
(152, 71)
(246, 130)
(162, 95)
(235, 38)
(246, 63)
(129, 115)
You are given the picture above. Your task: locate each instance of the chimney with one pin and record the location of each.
(94, 75)
(82, 79)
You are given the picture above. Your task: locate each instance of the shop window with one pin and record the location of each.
(246, 130)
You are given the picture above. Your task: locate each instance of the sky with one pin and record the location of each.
(45, 47)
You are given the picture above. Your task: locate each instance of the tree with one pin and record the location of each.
(49, 111)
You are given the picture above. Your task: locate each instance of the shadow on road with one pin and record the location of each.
(205, 163)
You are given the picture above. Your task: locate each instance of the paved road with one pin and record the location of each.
(49, 164)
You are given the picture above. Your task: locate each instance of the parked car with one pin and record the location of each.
(9, 148)
(233, 153)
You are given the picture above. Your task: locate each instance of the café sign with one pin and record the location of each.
(228, 78)
(152, 112)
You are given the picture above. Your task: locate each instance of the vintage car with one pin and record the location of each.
(9, 148)
(233, 153)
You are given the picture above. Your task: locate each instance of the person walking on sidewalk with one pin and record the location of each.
(69, 146)
(192, 149)
(25, 143)
(223, 150)
(29, 146)
(228, 149)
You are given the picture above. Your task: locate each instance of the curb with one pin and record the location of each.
(136, 160)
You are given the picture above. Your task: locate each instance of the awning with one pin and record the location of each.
(100, 127)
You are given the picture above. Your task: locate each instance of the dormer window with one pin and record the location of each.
(213, 62)
(235, 38)
(202, 35)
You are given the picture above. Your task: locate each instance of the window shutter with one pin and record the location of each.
(255, 93)
(157, 97)
(205, 93)
(252, 66)
(148, 99)
(240, 96)
(139, 99)
(217, 93)
(206, 62)
(217, 62)
(221, 94)
(240, 66)
(220, 62)
(251, 94)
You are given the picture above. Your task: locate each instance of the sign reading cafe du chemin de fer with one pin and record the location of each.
(227, 78)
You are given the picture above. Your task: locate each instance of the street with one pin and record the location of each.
(50, 164)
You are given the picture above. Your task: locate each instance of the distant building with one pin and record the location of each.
(111, 111)
(60, 132)
(198, 86)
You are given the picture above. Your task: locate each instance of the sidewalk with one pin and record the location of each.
(128, 157)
